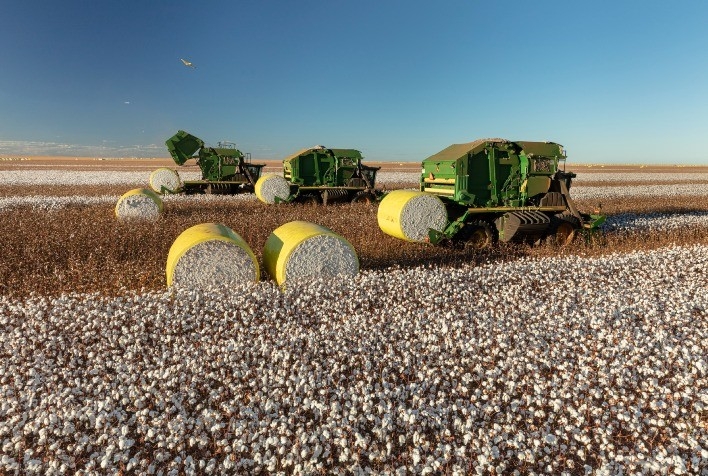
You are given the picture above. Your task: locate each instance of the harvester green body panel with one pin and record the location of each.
(324, 173)
(225, 169)
(510, 189)
(492, 172)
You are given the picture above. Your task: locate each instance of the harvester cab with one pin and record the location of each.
(224, 168)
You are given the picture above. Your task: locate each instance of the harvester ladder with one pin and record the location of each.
(246, 170)
(330, 176)
(569, 201)
(364, 176)
(512, 183)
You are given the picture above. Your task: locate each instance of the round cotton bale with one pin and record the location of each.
(165, 180)
(409, 214)
(210, 254)
(301, 249)
(139, 203)
(272, 186)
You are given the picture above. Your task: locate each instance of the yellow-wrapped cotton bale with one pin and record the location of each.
(409, 214)
(165, 180)
(210, 254)
(139, 204)
(271, 187)
(301, 249)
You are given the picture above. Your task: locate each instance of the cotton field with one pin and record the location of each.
(549, 367)
(545, 360)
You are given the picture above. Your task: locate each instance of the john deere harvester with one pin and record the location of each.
(225, 169)
(323, 175)
(496, 189)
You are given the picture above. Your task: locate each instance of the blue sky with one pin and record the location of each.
(613, 81)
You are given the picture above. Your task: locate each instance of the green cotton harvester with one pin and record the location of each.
(496, 189)
(225, 169)
(323, 175)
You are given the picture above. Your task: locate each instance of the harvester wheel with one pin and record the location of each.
(477, 235)
(363, 197)
(563, 229)
(310, 200)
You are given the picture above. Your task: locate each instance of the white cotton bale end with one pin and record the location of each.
(410, 214)
(210, 254)
(301, 249)
(139, 204)
(165, 180)
(271, 188)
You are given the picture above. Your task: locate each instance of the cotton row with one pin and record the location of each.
(656, 221)
(649, 191)
(72, 177)
(55, 203)
(628, 177)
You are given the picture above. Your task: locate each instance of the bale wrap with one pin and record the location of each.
(164, 180)
(409, 214)
(139, 203)
(210, 254)
(300, 249)
(272, 186)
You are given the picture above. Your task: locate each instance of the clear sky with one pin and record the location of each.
(612, 80)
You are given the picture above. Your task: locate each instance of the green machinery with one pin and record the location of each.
(496, 189)
(324, 175)
(225, 169)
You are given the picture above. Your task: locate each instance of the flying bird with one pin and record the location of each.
(187, 63)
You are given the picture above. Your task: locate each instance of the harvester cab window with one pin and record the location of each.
(504, 158)
(542, 165)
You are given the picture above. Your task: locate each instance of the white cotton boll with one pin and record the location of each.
(125, 443)
(317, 451)
(415, 456)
